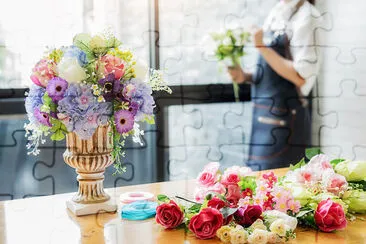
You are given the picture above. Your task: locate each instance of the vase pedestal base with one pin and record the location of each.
(80, 209)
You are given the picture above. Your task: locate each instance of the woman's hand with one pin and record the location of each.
(257, 34)
(237, 74)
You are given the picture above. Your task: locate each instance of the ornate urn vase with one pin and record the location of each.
(90, 158)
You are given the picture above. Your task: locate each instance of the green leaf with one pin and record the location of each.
(248, 182)
(195, 208)
(162, 198)
(334, 162)
(311, 152)
(149, 119)
(303, 212)
(58, 136)
(226, 212)
(298, 165)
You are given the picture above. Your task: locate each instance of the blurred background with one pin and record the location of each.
(199, 122)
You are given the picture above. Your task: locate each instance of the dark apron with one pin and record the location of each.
(281, 126)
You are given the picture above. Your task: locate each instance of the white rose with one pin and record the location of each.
(274, 238)
(273, 215)
(258, 237)
(141, 69)
(238, 236)
(278, 227)
(70, 70)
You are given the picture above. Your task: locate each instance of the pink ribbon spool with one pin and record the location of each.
(129, 197)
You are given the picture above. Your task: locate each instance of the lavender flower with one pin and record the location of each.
(34, 100)
(56, 88)
(124, 121)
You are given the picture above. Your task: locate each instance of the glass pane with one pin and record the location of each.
(185, 27)
(26, 31)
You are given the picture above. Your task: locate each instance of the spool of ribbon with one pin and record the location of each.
(130, 197)
(139, 210)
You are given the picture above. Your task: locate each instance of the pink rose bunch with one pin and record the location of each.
(210, 180)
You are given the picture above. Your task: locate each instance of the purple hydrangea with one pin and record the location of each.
(141, 95)
(80, 111)
(34, 100)
(124, 121)
(77, 53)
(56, 88)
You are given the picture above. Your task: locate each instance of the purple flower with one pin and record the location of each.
(124, 121)
(56, 88)
(42, 117)
(133, 108)
(111, 87)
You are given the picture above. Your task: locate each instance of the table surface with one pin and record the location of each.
(46, 220)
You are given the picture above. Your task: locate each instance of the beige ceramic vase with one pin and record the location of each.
(90, 158)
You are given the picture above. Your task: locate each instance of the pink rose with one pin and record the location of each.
(209, 176)
(113, 65)
(319, 161)
(42, 72)
(248, 214)
(205, 224)
(335, 183)
(169, 215)
(231, 176)
(329, 216)
(202, 192)
(233, 194)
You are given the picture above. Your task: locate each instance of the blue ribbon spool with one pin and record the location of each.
(139, 210)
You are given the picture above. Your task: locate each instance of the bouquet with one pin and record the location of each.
(237, 207)
(94, 82)
(230, 48)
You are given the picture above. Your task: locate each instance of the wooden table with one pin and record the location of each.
(46, 220)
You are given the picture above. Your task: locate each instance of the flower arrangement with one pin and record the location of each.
(94, 82)
(238, 207)
(230, 48)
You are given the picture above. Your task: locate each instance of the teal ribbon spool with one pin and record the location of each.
(139, 210)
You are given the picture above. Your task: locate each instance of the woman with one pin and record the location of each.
(285, 74)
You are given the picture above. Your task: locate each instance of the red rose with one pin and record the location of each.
(329, 216)
(205, 224)
(233, 194)
(217, 203)
(248, 214)
(169, 215)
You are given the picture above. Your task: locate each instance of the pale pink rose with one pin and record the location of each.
(113, 65)
(42, 72)
(334, 183)
(320, 162)
(209, 176)
(306, 175)
(212, 167)
(231, 176)
(202, 192)
(245, 171)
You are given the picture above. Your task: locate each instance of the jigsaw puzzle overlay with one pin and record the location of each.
(196, 133)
